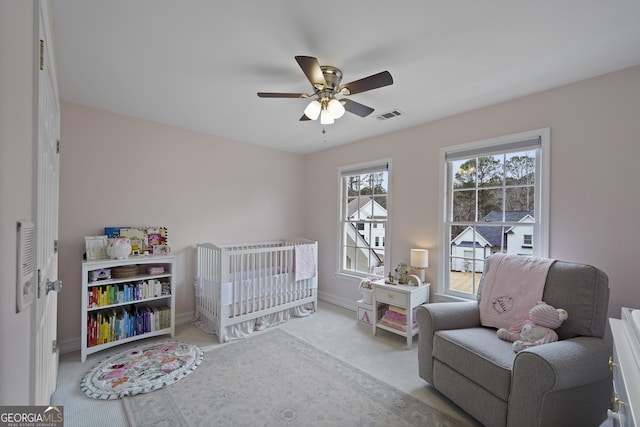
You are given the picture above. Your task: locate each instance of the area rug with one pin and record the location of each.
(275, 379)
(141, 369)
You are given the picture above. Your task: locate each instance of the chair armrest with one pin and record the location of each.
(437, 317)
(543, 371)
(448, 315)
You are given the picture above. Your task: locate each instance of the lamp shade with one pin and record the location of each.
(419, 258)
(325, 117)
(336, 108)
(313, 110)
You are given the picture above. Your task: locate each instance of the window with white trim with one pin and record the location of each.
(364, 212)
(495, 198)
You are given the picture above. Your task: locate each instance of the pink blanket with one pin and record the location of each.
(512, 285)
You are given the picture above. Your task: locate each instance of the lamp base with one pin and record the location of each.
(419, 272)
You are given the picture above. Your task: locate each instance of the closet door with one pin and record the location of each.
(44, 326)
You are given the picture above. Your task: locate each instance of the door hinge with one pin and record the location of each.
(41, 55)
(58, 147)
(38, 284)
(54, 346)
(55, 246)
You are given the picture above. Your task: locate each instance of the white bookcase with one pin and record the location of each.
(131, 308)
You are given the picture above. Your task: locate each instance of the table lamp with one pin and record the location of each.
(420, 261)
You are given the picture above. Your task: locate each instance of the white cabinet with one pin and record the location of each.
(404, 297)
(625, 364)
(126, 300)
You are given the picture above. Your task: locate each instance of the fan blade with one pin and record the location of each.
(372, 82)
(304, 118)
(356, 108)
(312, 70)
(282, 95)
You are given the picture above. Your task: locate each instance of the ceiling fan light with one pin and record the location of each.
(313, 109)
(336, 108)
(325, 117)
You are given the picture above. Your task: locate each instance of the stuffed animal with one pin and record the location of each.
(537, 329)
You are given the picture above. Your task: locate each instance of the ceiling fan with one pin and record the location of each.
(325, 81)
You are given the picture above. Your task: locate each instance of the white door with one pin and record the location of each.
(44, 327)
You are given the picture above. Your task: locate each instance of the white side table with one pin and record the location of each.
(403, 296)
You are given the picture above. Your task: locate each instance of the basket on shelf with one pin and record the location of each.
(124, 271)
(367, 291)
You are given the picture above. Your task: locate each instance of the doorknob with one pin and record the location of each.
(54, 286)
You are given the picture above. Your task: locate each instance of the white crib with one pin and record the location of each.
(245, 287)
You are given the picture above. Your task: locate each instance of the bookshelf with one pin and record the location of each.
(126, 300)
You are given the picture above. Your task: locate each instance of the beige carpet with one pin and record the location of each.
(275, 379)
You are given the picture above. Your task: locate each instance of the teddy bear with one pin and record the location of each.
(537, 329)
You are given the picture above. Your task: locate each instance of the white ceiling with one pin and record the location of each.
(197, 64)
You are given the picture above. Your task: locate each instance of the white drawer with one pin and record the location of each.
(396, 298)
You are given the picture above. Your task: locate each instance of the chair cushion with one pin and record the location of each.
(479, 355)
(583, 291)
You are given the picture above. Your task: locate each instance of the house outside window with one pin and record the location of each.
(494, 199)
(364, 213)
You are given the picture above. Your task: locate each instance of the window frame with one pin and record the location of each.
(362, 169)
(486, 147)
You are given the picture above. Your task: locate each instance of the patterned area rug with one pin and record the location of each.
(141, 369)
(275, 379)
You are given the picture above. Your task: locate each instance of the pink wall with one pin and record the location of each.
(119, 170)
(594, 189)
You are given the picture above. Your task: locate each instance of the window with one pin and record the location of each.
(494, 199)
(364, 211)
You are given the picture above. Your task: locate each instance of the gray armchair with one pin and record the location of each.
(564, 383)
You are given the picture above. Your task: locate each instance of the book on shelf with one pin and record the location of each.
(394, 318)
(105, 295)
(124, 322)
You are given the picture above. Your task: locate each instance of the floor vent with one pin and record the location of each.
(389, 115)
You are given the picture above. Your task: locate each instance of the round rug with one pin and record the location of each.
(141, 369)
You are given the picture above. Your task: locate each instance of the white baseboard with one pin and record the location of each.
(347, 303)
(69, 346)
(184, 318)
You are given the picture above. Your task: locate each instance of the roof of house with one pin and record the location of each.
(494, 234)
(356, 204)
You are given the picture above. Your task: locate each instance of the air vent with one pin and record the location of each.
(389, 115)
(26, 267)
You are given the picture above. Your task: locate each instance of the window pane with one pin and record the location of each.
(520, 240)
(380, 207)
(467, 278)
(490, 171)
(464, 173)
(520, 168)
(489, 201)
(352, 184)
(464, 205)
(519, 198)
